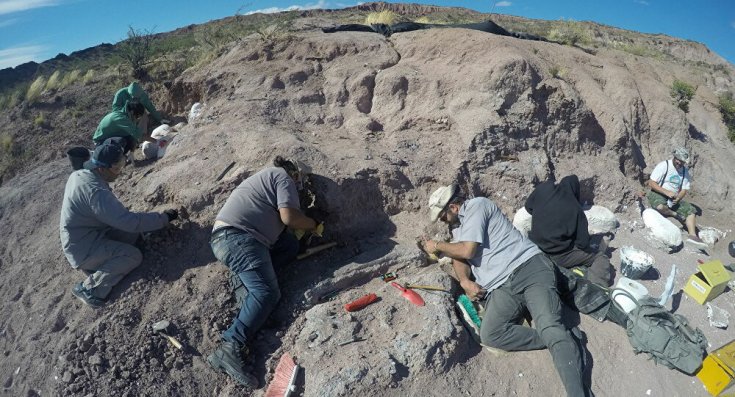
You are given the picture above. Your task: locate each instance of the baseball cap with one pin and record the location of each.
(106, 154)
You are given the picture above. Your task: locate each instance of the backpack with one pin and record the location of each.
(665, 336)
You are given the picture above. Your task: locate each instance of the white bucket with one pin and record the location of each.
(634, 288)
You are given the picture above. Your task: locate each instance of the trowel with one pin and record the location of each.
(160, 329)
(411, 295)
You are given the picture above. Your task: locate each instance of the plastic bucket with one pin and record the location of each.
(634, 288)
(77, 156)
(634, 263)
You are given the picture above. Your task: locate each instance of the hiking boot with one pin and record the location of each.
(86, 296)
(696, 242)
(228, 358)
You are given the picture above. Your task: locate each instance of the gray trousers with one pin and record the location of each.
(110, 261)
(533, 286)
(597, 262)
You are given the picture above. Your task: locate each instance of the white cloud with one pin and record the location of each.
(11, 6)
(8, 22)
(12, 57)
(503, 4)
(295, 7)
(644, 2)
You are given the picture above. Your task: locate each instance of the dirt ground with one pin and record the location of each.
(383, 122)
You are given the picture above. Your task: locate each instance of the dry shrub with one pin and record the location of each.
(71, 78)
(88, 77)
(34, 91)
(6, 143)
(54, 82)
(569, 33)
(386, 17)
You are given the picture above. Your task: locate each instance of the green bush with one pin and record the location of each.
(34, 91)
(682, 94)
(136, 51)
(727, 109)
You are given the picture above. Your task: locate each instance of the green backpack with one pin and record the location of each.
(665, 336)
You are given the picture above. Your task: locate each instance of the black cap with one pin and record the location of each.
(106, 154)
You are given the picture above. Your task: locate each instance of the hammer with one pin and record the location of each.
(160, 329)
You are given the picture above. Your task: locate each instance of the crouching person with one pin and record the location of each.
(97, 231)
(511, 274)
(249, 237)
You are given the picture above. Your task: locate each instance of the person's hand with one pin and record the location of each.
(172, 214)
(676, 200)
(473, 290)
(165, 121)
(430, 246)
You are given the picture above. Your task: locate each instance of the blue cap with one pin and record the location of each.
(106, 154)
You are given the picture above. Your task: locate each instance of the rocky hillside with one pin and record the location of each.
(383, 122)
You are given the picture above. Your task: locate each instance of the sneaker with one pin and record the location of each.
(696, 242)
(86, 296)
(228, 358)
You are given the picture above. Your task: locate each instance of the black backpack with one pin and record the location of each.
(665, 336)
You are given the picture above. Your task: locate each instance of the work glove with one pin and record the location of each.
(319, 229)
(172, 214)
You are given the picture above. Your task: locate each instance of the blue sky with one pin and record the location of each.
(40, 29)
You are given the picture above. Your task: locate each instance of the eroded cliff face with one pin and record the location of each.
(383, 122)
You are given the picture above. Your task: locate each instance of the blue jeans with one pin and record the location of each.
(253, 263)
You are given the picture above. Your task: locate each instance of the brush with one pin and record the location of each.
(470, 316)
(284, 379)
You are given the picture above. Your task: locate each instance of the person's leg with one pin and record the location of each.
(123, 237)
(658, 201)
(598, 264)
(536, 281)
(109, 261)
(285, 249)
(500, 325)
(250, 260)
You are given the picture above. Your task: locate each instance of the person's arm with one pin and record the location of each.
(581, 235)
(459, 250)
(473, 290)
(137, 92)
(296, 219)
(108, 209)
(658, 189)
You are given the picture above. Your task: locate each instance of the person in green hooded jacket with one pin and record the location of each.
(122, 123)
(134, 92)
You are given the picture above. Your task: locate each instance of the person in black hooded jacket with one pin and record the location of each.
(559, 228)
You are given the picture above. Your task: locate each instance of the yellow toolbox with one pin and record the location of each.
(709, 281)
(718, 371)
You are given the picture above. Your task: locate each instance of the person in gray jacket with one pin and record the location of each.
(97, 231)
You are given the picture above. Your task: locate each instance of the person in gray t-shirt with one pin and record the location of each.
(515, 274)
(249, 237)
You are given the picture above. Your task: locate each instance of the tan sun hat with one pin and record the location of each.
(439, 200)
